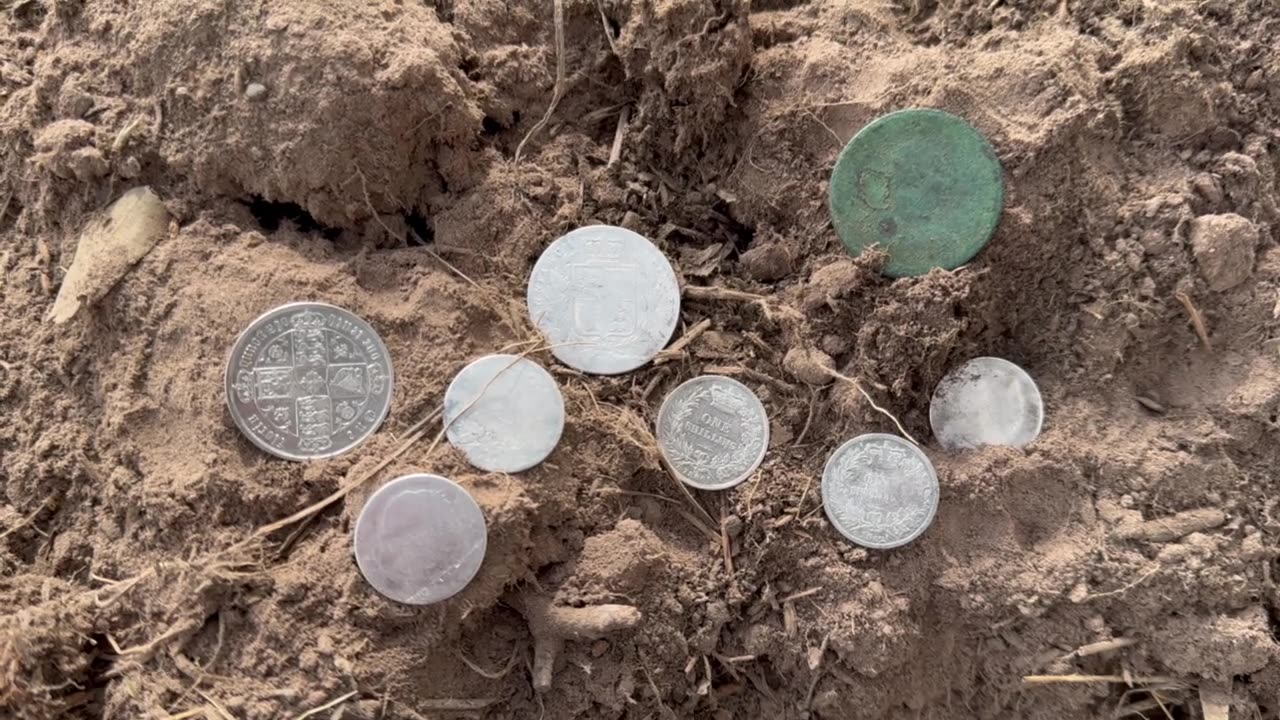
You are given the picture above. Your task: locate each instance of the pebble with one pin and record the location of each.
(809, 365)
(254, 91)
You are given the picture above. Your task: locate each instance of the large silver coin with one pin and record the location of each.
(420, 539)
(606, 298)
(504, 413)
(713, 432)
(307, 381)
(880, 491)
(986, 401)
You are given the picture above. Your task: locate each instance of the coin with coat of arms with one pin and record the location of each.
(420, 539)
(606, 298)
(504, 412)
(713, 432)
(880, 491)
(307, 381)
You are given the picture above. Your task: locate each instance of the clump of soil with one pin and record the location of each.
(364, 154)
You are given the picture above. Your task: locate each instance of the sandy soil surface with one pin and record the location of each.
(345, 150)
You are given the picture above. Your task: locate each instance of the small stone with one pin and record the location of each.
(599, 647)
(1224, 247)
(253, 91)
(87, 164)
(633, 222)
(809, 365)
(733, 526)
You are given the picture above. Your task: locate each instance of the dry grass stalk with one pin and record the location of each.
(558, 91)
(858, 386)
(1197, 320)
(1122, 679)
(332, 703)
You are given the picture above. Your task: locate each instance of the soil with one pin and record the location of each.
(392, 157)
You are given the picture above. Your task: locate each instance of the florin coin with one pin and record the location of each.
(922, 184)
(504, 413)
(713, 432)
(307, 381)
(986, 401)
(606, 298)
(420, 539)
(880, 491)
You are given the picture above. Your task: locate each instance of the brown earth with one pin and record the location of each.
(338, 150)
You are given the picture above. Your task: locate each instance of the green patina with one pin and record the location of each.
(922, 184)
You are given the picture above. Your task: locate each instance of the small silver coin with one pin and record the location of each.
(986, 401)
(504, 413)
(307, 381)
(606, 298)
(420, 539)
(713, 432)
(880, 491)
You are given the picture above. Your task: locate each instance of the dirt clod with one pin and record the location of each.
(1224, 248)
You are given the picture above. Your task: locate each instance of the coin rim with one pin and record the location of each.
(657, 434)
(228, 381)
(844, 152)
(355, 533)
(933, 399)
(933, 474)
(449, 421)
(631, 236)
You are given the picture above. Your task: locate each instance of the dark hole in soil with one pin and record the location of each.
(422, 233)
(742, 235)
(29, 13)
(270, 214)
(489, 126)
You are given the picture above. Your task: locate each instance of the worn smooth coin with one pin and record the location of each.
(505, 413)
(922, 184)
(606, 298)
(307, 381)
(986, 401)
(420, 539)
(880, 491)
(713, 432)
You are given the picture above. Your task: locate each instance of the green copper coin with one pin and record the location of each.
(922, 184)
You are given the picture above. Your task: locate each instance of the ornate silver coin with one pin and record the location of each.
(986, 401)
(504, 413)
(420, 539)
(713, 432)
(880, 491)
(307, 381)
(605, 297)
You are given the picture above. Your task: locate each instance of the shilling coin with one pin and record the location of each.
(307, 381)
(420, 539)
(986, 401)
(606, 298)
(922, 184)
(504, 413)
(880, 491)
(713, 432)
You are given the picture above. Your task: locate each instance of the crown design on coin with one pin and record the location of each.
(609, 248)
(308, 320)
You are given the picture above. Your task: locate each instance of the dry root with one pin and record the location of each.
(551, 626)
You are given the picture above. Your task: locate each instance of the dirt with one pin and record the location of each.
(346, 151)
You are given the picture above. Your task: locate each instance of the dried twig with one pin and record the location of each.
(615, 153)
(332, 703)
(558, 91)
(1197, 320)
(364, 187)
(1127, 680)
(1100, 647)
(492, 675)
(858, 386)
(677, 348)
(608, 31)
(26, 520)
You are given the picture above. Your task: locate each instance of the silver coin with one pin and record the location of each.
(986, 401)
(713, 432)
(504, 413)
(420, 539)
(307, 381)
(880, 491)
(606, 298)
